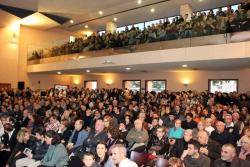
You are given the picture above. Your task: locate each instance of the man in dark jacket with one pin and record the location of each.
(220, 134)
(229, 158)
(192, 158)
(95, 136)
(208, 147)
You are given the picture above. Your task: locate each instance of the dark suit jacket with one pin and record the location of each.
(9, 143)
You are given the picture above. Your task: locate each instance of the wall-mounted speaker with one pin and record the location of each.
(20, 85)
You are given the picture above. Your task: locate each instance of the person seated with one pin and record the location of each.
(23, 143)
(96, 135)
(192, 158)
(77, 137)
(231, 129)
(200, 127)
(229, 158)
(244, 150)
(8, 141)
(64, 131)
(176, 132)
(113, 137)
(89, 160)
(208, 125)
(175, 147)
(57, 154)
(208, 147)
(220, 134)
(157, 142)
(119, 156)
(103, 158)
(189, 123)
(123, 131)
(53, 124)
(137, 137)
(38, 150)
(153, 127)
(175, 162)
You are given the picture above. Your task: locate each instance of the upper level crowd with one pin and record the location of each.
(200, 24)
(81, 127)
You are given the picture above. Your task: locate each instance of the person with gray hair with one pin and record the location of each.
(208, 146)
(119, 156)
(220, 134)
(229, 158)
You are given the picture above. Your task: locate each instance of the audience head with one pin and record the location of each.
(101, 149)
(39, 133)
(193, 147)
(52, 138)
(8, 127)
(99, 126)
(188, 135)
(160, 132)
(220, 126)
(228, 119)
(177, 123)
(23, 135)
(208, 122)
(245, 143)
(174, 162)
(203, 137)
(138, 124)
(189, 117)
(88, 159)
(78, 125)
(118, 153)
(228, 152)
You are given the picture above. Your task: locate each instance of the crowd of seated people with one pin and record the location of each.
(82, 127)
(200, 24)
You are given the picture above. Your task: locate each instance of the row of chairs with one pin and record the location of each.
(142, 159)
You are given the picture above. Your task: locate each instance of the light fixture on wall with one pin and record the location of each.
(14, 38)
(109, 82)
(186, 82)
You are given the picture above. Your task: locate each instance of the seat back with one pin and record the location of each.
(161, 162)
(140, 159)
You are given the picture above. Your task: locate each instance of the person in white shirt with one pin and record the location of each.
(208, 125)
(119, 156)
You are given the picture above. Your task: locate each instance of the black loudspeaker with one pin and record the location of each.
(21, 85)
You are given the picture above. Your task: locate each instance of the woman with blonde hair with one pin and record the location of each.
(22, 144)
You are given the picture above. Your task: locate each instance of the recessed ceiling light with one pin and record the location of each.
(139, 2)
(87, 70)
(128, 68)
(115, 19)
(71, 21)
(59, 73)
(184, 65)
(152, 10)
(100, 12)
(86, 26)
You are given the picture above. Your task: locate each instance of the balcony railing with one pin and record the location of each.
(161, 45)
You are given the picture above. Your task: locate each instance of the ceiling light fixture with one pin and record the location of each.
(115, 19)
(87, 70)
(184, 65)
(152, 10)
(59, 73)
(86, 26)
(71, 21)
(100, 12)
(128, 68)
(139, 2)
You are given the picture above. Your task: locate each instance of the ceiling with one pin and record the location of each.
(208, 65)
(82, 11)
